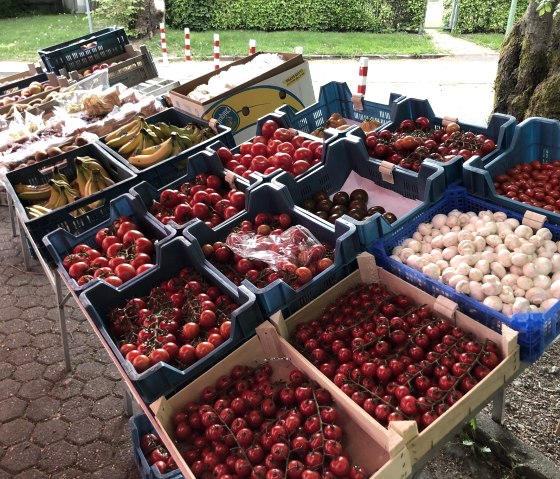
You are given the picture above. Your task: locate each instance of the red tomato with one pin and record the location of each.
(268, 128)
(303, 154)
(81, 248)
(131, 236)
(78, 269)
(113, 281)
(141, 363)
(144, 245)
(125, 271)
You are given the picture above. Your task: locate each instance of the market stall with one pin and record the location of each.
(328, 288)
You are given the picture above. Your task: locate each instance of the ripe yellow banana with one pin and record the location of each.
(91, 164)
(33, 193)
(129, 148)
(122, 130)
(54, 196)
(57, 175)
(82, 176)
(96, 183)
(163, 151)
(116, 143)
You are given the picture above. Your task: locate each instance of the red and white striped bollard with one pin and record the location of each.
(163, 43)
(187, 44)
(363, 75)
(252, 47)
(216, 51)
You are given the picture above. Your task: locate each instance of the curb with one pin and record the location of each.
(511, 452)
(226, 58)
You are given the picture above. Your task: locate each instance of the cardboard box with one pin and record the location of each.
(241, 107)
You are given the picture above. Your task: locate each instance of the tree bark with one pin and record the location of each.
(150, 17)
(528, 78)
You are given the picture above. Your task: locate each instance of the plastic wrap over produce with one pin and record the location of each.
(291, 246)
(235, 76)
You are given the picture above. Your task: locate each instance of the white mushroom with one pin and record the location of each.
(493, 302)
(520, 305)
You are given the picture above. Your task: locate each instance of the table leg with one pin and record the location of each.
(12, 213)
(128, 404)
(24, 247)
(62, 321)
(498, 405)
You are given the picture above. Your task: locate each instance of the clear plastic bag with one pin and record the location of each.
(296, 245)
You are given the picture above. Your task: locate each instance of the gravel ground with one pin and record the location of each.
(532, 413)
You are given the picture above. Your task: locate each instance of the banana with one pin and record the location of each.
(96, 183)
(122, 130)
(185, 141)
(33, 192)
(82, 176)
(144, 160)
(127, 149)
(54, 196)
(41, 209)
(163, 130)
(92, 164)
(177, 145)
(124, 138)
(57, 175)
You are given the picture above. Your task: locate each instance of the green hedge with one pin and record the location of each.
(13, 8)
(323, 15)
(482, 16)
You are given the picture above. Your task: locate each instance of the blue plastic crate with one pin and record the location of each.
(206, 161)
(349, 154)
(534, 139)
(335, 97)
(500, 129)
(536, 330)
(140, 425)
(13, 87)
(69, 55)
(168, 170)
(162, 378)
(278, 295)
(40, 173)
(60, 242)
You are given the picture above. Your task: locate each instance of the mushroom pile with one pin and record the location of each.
(496, 260)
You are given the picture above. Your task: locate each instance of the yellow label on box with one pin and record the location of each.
(243, 109)
(294, 77)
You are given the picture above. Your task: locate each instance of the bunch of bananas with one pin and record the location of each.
(144, 144)
(91, 177)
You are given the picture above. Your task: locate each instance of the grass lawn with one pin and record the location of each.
(20, 38)
(490, 40)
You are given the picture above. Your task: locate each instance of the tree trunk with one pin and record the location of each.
(150, 17)
(528, 79)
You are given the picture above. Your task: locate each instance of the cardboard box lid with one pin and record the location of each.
(291, 60)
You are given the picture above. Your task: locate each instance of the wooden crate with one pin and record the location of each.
(132, 67)
(367, 443)
(418, 443)
(54, 81)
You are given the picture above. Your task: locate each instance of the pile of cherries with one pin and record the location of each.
(251, 425)
(156, 454)
(182, 320)
(393, 358)
(207, 198)
(535, 183)
(413, 142)
(236, 268)
(123, 253)
(275, 148)
(342, 203)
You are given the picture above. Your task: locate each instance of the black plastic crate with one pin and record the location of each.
(70, 55)
(41, 173)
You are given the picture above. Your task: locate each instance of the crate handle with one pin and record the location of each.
(229, 176)
(358, 102)
(445, 307)
(369, 274)
(89, 210)
(47, 170)
(386, 170)
(533, 220)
